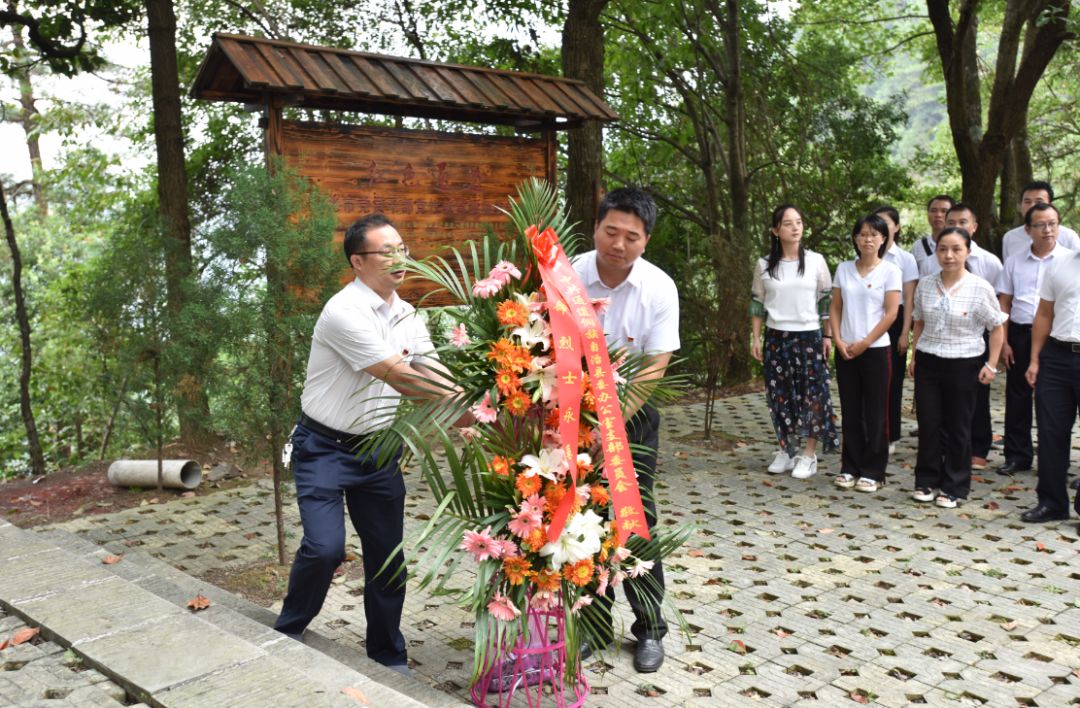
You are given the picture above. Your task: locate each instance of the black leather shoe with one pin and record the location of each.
(1011, 467)
(1041, 513)
(648, 655)
(587, 649)
(1075, 484)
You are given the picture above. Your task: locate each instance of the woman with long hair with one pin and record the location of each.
(952, 310)
(865, 299)
(790, 297)
(900, 332)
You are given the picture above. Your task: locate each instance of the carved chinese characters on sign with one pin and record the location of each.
(440, 189)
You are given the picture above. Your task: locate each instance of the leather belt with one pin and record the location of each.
(350, 439)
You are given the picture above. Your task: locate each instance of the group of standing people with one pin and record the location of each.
(964, 311)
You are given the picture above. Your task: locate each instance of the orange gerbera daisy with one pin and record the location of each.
(579, 573)
(508, 355)
(517, 403)
(517, 569)
(547, 579)
(586, 436)
(599, 495)
(536, 539)
(527, 485)
(553, 494)
(606, 547)
(500, 466)
(512, 313)
(588, 400)
(552, 419)
(507, 381)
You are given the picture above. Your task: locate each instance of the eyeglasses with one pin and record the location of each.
(402, 251)
(1045, 226)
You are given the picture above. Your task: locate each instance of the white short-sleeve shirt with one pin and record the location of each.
(909, 268)
(864, 299)
(1017, 241)
(954, 320)
(644, 310)
(1022, 278)
(356, 329)
(918, 251)
(981, 262)
(790, 299)
(1061, 286)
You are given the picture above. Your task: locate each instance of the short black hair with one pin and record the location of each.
(356, 235)
(940, 198)
(962, 206)
(1037, 185)
(1039, 206)
(962, 233)
(632, 200)
(877, 224)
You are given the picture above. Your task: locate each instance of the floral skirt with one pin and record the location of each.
(797, 389)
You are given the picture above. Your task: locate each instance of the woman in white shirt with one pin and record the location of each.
(900, 332)
(865, 300)
(952, 310)
(790, 296)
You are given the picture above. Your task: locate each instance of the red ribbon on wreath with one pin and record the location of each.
(576, 332)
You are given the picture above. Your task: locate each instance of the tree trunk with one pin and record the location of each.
(981, 152)
(583, 58)
(193, 407)
(37, 457)
(29, 117)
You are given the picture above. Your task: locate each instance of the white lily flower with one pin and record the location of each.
(549, 464)
(580, 538)
(538, 331)
(545, 378)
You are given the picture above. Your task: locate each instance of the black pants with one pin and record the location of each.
(1057, 396)
(645, 596)
(896, 376)
(982, 435)
(864, 408)
(945, 392)
(1018, 417)
(325, 472)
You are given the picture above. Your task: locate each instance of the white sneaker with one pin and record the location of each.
(781, 463)
(924, 494)
(805, 467)
(892, 448)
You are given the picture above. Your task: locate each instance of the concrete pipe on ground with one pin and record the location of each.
(175, 474)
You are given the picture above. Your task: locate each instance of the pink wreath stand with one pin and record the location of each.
(534, 667)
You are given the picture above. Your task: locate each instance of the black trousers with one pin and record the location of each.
(896, 376)
(982, 434)
(326, 472)
(864, 407)
(644, 595)
(945, 392)
(1018, 399)
(1057, 396)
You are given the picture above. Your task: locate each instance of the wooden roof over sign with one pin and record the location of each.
(247, 69)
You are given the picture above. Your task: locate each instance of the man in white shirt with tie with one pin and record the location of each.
(1018, 291)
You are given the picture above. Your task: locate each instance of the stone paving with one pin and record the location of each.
(794, 592)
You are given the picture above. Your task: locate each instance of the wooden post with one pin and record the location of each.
(272, 146)
(552, 160)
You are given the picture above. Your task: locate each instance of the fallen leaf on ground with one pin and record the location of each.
(351, 556)
(1040, 546)
(767, 483)
(111, 559)
(682, 455)
(782, 634)
(356, 694)
(991, 505)
(749, 558)
(23, 636)
(187, 495)
(695, 553)
(825, 530)
(738, 646)
(1009, 626)
(859, 697)
(251, 536)
(198, 603)
(977, 478)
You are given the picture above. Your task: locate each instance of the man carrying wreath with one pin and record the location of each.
(642, 317)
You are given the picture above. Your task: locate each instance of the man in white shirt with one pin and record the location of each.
(368, 348)
(1018, 291)
(936, 210)
(1017, 240)
(1054, 371)
(643, 317)
(986, 265)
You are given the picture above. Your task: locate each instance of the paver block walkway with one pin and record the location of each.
(794, 592)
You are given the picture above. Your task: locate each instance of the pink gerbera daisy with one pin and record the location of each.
(482, 545)
(504, 271)
(502, 609)
(486, 287)
(485, 411)
(459, 336)
(529, 518)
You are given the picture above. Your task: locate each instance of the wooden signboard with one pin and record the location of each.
(439, 189)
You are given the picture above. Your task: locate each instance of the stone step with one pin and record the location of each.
(130, 621)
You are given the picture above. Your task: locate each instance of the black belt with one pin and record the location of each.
(1018, 325)
(1073, 347)
(350, 439)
